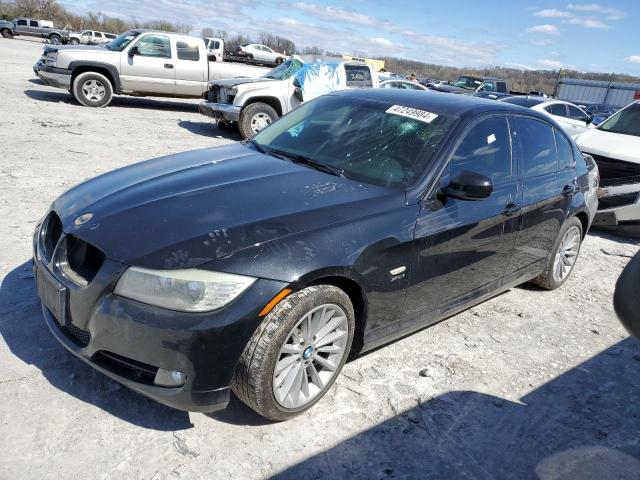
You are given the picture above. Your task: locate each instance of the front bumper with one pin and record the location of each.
(131, 341)
(52, 76)
(618, 205)
(220, 111)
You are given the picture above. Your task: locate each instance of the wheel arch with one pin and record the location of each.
(105, 69)
(271, 101)
(584, 220)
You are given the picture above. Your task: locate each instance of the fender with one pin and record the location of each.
(117, 85)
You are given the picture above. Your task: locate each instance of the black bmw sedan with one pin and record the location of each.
(260, 267)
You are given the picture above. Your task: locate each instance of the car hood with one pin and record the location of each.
(608, 144)
(80, 47)
(451, 89)
(187, 209)
(232, 82)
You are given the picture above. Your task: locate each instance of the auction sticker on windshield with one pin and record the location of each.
(415, 113)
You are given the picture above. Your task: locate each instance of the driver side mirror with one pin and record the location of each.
(133, 51)
(468, 185)
(588, 120)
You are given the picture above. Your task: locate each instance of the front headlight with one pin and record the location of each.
(191, 290)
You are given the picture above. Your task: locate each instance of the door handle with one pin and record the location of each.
(168, 65)
(567, 190)
(511, 209)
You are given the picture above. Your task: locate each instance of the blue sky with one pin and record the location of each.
(602, 36)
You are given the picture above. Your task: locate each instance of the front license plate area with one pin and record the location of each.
(52, 294)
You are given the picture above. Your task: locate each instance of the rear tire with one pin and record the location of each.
(279, 60)
(74, 41)
(563, 257)
(254, 117)
(6, 33)
(255, 381)
(92, 89)
(55, 39)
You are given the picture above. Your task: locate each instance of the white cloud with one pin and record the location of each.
(553, 13)
(381, 41)
(549, 63)
(519, 66)
(633, 59)
(546, 29)
(609, 12)
(588, 22)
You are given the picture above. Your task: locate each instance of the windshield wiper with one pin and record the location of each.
(325, 167)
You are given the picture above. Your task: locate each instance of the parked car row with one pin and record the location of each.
(90, 37)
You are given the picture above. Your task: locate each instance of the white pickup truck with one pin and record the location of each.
(138, 62)
(254, 103)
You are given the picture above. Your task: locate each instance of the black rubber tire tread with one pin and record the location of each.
(253, 377)
(77, 94)
(545, 279)
(56, 36)
(6, 33)
(247, 114)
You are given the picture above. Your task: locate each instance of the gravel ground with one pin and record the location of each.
(531, 384)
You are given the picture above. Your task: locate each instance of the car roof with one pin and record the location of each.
(437, 102)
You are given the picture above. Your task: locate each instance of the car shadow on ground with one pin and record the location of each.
(23, 329)
(581, 425)
(210, 129)
(59, 96)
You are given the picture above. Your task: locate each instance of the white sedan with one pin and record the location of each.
(402, 84)
(571, 118)
(260, 53)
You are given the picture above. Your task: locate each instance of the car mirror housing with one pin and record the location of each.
(468, 185)
(133, 51)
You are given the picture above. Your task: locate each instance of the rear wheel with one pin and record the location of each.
(256, 116)
(296, 353)
(563, 256)
(74, 41)
(55, 39)
(6, 33)
(279, 60)
(92, 89)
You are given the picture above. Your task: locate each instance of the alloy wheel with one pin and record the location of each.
(93, 90)
(567, 254)
(310, 356)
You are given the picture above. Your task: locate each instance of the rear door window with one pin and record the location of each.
(188, 51)
(566, 160)
(535, 144)
(358, 76)
(557, 109)
(576, 114)
(486, 150)
(33, 23)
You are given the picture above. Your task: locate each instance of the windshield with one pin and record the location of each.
(120, 42)
(467, 82)
(284, 70)
(368, 141)
(626, 122)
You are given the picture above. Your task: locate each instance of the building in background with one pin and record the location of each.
(598, 91)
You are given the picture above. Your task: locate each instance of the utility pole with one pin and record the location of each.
(555, 90)
(606, 95)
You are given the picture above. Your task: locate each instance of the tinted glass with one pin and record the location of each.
(118, 44)
(188, 50)
(576, 113)
(565, 151)
(21, 22)
(535, 144)
(486, 150)
(524, 101)
(154, 46)
(362, 137)
(33, 23)
(626, 122)
(502, 87)
(558, 109)
(358, 76)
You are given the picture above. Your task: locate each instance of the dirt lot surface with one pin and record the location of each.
(531, 384)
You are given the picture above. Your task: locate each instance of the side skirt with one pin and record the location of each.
(412, 323)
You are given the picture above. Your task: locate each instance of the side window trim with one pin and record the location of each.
(522, 170)
(142, 37)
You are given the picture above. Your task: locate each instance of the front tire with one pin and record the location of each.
(563, 257)
(92, 89)
(74, 41)
(296, 353)
(6, 33)
(254, 117)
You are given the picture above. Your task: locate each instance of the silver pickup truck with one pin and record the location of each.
(138, 62)
(32, 27)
